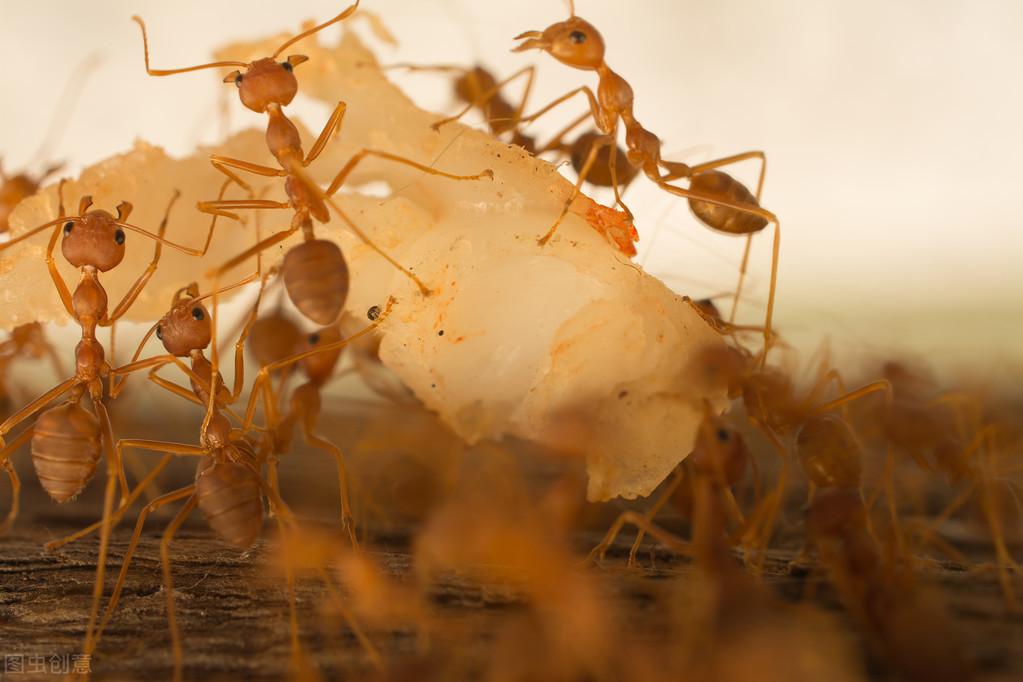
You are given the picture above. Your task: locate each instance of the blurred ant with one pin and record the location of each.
(914, 632)
(718, 200)
(315, 273)
(478, 88)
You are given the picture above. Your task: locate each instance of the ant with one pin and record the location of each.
(915, 633)
(228, 489)
(66, 440)
(472, 87)
(28, 341)
(718, 200)
(320, 353)
(315, 273)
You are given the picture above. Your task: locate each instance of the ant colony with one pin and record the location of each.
(403, 412)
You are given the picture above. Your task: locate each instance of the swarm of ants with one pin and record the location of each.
(804, 499)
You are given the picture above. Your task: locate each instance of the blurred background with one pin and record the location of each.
(892, 132)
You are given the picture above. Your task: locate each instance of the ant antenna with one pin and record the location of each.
(305, 34)
(170, 72)
(72, 91)
(571, 7)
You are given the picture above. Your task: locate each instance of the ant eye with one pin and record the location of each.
(373, 313)
(286, 66)
(723, 435)
(197, 313)
(68, 226)
(119, 236)
(314, 339)
(238, 80)
(577, 37)
(159, 332)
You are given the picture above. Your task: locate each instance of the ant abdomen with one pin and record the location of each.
(316, 278)
(273, 337)
(828, 452)
(600, 173)
(229, 497)
(722, 218)
(65, 450)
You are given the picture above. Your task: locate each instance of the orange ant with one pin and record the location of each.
(315, 273)
(718, 200)
(915, 633)
(66, 440)
(477, 87)
(28, 341)
(228, 488)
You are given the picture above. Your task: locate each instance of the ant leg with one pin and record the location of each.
(115, 475)
(881, 385)
(749, 238)
(224, 164)
(256, 249)
(5, 462)
(159, 502)
(362, 154)
(119, 513)
(239, 345)
(641, 522)
(595, 109)
(220, 206)
(487, 95)
(259, 386)
(775, 248)
(36, 405)
(58, 279)
(168, 582)
(311, 439)
(143, 279)
(556, 141)
(12, 514)
(332, 126)
(349, 617)
(602, 141)
(651, 513)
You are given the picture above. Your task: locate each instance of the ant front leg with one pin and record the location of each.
(332, 126)
(224, 164)
(133, 293)
(598, 144)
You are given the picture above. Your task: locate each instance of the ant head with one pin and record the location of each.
(320, 366)
(186, 327)
(267, 82)
(574, 42)
(94, 239)
(720, 452)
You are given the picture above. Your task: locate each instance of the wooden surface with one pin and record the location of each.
(233, 611)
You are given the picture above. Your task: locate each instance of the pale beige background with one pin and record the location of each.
(892, 130)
